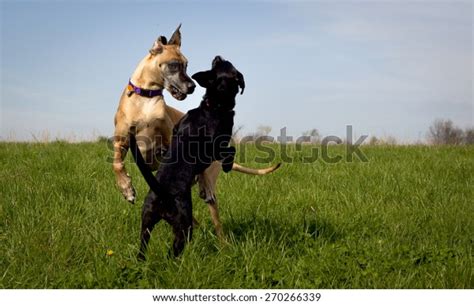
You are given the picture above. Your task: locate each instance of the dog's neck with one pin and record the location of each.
(146, 77)
(215, 104)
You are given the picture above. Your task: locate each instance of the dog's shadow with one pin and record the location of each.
(290, 233)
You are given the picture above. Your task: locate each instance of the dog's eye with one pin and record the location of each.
(174, 66)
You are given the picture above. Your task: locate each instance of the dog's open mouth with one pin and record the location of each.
(176, 93)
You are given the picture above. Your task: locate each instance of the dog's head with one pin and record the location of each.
(222, 82)
(166, 59)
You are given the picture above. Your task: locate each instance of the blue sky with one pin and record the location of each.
(387, 68)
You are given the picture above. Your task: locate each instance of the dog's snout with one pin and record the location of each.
(191, 86)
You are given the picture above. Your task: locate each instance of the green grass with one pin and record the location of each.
(402, 220)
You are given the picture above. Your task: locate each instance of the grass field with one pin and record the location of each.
(404, 219)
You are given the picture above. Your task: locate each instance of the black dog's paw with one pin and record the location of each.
(227, 167)
(228, 161)
(141, 257)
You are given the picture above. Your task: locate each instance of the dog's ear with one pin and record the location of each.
(157, 47)
(204, 78)
(176, 37)
(216, 60)
(241, 82)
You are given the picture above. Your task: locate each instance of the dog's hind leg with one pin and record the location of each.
(207, 187)
(182, 223)
(150, 217)
(207, 182)
(214, 210)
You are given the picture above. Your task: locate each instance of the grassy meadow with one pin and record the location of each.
(404, 219)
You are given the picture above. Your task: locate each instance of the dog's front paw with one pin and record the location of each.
(129, 194)
(228, 161)
(126, 188)
(141, 256)
(227, 167)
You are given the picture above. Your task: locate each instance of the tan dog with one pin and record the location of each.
(142, 110)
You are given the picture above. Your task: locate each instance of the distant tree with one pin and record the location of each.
(444, 132)
(389, 140)
(103, 139)
(469, 136)
(373, 140)
(237, 130)
(314, 134)
(263, 130)
(236, 133)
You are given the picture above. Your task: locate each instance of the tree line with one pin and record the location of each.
(440, 132)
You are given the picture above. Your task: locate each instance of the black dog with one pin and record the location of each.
(199, 138)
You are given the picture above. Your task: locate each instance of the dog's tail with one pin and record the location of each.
(142, 166)
(253, 171)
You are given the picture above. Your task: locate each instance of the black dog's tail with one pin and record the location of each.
(142, 166)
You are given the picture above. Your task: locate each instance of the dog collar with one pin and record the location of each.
(143, 92)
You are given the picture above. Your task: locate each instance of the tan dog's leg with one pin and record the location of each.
(121, 146)
(207, 191)
(213, 209)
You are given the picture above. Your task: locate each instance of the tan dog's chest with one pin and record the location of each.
(151, 123)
